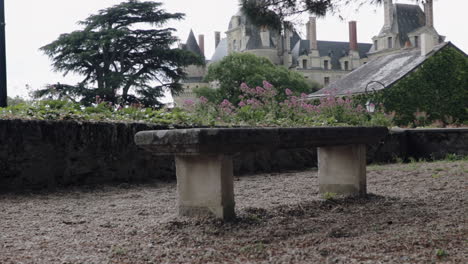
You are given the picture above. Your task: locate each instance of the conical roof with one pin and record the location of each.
(192, 45)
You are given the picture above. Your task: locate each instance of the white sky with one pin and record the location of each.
(31, 24)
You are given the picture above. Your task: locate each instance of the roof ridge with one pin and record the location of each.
(333, 41)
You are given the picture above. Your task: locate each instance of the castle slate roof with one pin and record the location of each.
(192, 45)
(379, 73)
(294, 39)
(221, 51)
(408, 19)
(334, 49)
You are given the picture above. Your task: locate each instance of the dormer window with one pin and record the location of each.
(416, 41)
(390, 42)
(325, 64)
(376, 47)
(346, 65)
(304, 64)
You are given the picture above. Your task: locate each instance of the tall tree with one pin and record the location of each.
(238, 68)
(121, 52)
(274, 12)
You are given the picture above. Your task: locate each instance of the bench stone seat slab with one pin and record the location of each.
(233, 140)
(204, 159)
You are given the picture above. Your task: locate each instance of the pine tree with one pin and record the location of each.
(125, 55)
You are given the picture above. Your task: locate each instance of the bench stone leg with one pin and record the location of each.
(342, 170)
(205, 186)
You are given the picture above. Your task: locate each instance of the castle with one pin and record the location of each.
(321, 61)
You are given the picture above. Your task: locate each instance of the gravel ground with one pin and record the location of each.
(415, 213)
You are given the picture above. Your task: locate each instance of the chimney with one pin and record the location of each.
(427, 43)
(408, 44)
(353, 36)
(201, 43)
(312, 33)
(217, 38)
(429, 11)
(388, 13)
(287, 40)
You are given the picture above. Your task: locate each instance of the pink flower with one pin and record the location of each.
(267, 85)
(225, 102)
(241, 104)
(244, 87)
(203, 99)
(189, 102)
(288, 92)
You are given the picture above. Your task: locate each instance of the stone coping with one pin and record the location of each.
(232, 140)
(432, 130)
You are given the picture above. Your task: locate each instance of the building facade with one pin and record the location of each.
(320, 61)
(405, 42)
(403, 27)
(324, 62)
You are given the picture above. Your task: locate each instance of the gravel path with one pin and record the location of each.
(415, 213)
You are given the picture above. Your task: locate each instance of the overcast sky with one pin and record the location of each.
(31, 24)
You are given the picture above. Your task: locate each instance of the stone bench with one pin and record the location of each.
(203, 159)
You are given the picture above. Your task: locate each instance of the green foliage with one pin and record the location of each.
(441, 253)
(238, 68)
(207, 92)
(103, 111)
(436, 92)
(15, 101)
(273, 12)
(121, 52)
(253, 248)
(259, 107)
(329, 196)
(455, 157)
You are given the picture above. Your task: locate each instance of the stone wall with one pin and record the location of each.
(50, 154)
(46, 154)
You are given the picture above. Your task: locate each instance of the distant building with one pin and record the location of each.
(407, 39)
(320, 61)
(384, 71)
(403, 26)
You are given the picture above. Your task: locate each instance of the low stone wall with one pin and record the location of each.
(49, 154)
(46, 154)
(436, 143)
(429, 144)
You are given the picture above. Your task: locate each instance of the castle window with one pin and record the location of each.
(326, 80)
(234, 45)
(346, 65)
(416, 41)
(390, 42)
(325, 64)
(375, 45)
(304, 64)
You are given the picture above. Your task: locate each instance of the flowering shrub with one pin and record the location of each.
(258, 107)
